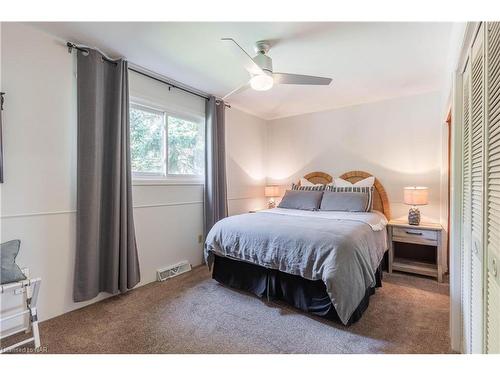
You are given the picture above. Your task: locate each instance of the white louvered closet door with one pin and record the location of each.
(492, 207)
(477, 186)
(466, 211)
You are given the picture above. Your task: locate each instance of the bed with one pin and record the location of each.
(324, 263)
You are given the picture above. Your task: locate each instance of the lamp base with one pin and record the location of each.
(414, 216)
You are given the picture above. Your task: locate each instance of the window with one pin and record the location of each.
(147, 141)
(165, 145)
(185, 147)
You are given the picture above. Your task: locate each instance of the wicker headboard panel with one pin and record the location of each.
(380, 198)
(318, 178)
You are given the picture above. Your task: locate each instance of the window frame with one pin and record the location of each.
(146, 178)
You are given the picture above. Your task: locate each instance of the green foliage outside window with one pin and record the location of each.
(186, 139)
(185, 147)
(147, 141)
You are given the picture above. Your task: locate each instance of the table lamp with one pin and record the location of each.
(272, 192)
(415, 196)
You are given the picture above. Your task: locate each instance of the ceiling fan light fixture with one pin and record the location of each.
(262, 75)
(261, 82)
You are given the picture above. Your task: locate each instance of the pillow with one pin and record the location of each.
(305, 182)
(367, 182)
(344, 201)
(301, 200)
(317, 187)
(10, 271)
(368, 191)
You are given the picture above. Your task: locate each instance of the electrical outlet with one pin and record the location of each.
(200, 238)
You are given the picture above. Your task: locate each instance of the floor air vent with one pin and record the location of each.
(173, 270)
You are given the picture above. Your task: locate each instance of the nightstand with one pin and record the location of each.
(425, 236)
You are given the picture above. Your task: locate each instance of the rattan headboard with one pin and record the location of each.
(380, 199)
(318, 178)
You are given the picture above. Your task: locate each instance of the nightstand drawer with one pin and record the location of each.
(415, 234)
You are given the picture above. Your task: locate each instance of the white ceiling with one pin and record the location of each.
(367, 61)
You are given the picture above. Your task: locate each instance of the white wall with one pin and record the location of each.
(168, 217)
(246, 141)
(39, 194)
(398, 141)
(452, 57)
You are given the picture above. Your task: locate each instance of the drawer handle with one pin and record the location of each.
(414, 233)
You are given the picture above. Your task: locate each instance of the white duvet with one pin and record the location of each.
(376, 220)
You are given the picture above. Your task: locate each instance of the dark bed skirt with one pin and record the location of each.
(307, 295)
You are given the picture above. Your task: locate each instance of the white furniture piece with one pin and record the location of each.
(424, 234)
(29, 288)
(478, 130)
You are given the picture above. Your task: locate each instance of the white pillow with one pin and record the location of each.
(367, 182)
(305, 182)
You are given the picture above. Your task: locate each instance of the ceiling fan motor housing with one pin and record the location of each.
(264, 61)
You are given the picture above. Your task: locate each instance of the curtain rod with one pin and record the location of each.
(72, 46)
(168, 83)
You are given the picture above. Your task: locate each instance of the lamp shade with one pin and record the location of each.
(416, 195)
(272, 191)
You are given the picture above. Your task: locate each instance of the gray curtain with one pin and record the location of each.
(106, 251)
(215, 163)
(1, 141)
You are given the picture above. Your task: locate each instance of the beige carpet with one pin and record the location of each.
(194, 314)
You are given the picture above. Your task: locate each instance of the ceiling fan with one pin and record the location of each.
(260, 67)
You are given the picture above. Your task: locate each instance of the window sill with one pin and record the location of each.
(167, 182)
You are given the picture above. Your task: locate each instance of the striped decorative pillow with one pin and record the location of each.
(355, 189)
(308, 188)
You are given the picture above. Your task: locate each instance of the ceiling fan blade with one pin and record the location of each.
(299, 79)
(246, 60)
(237, 90)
